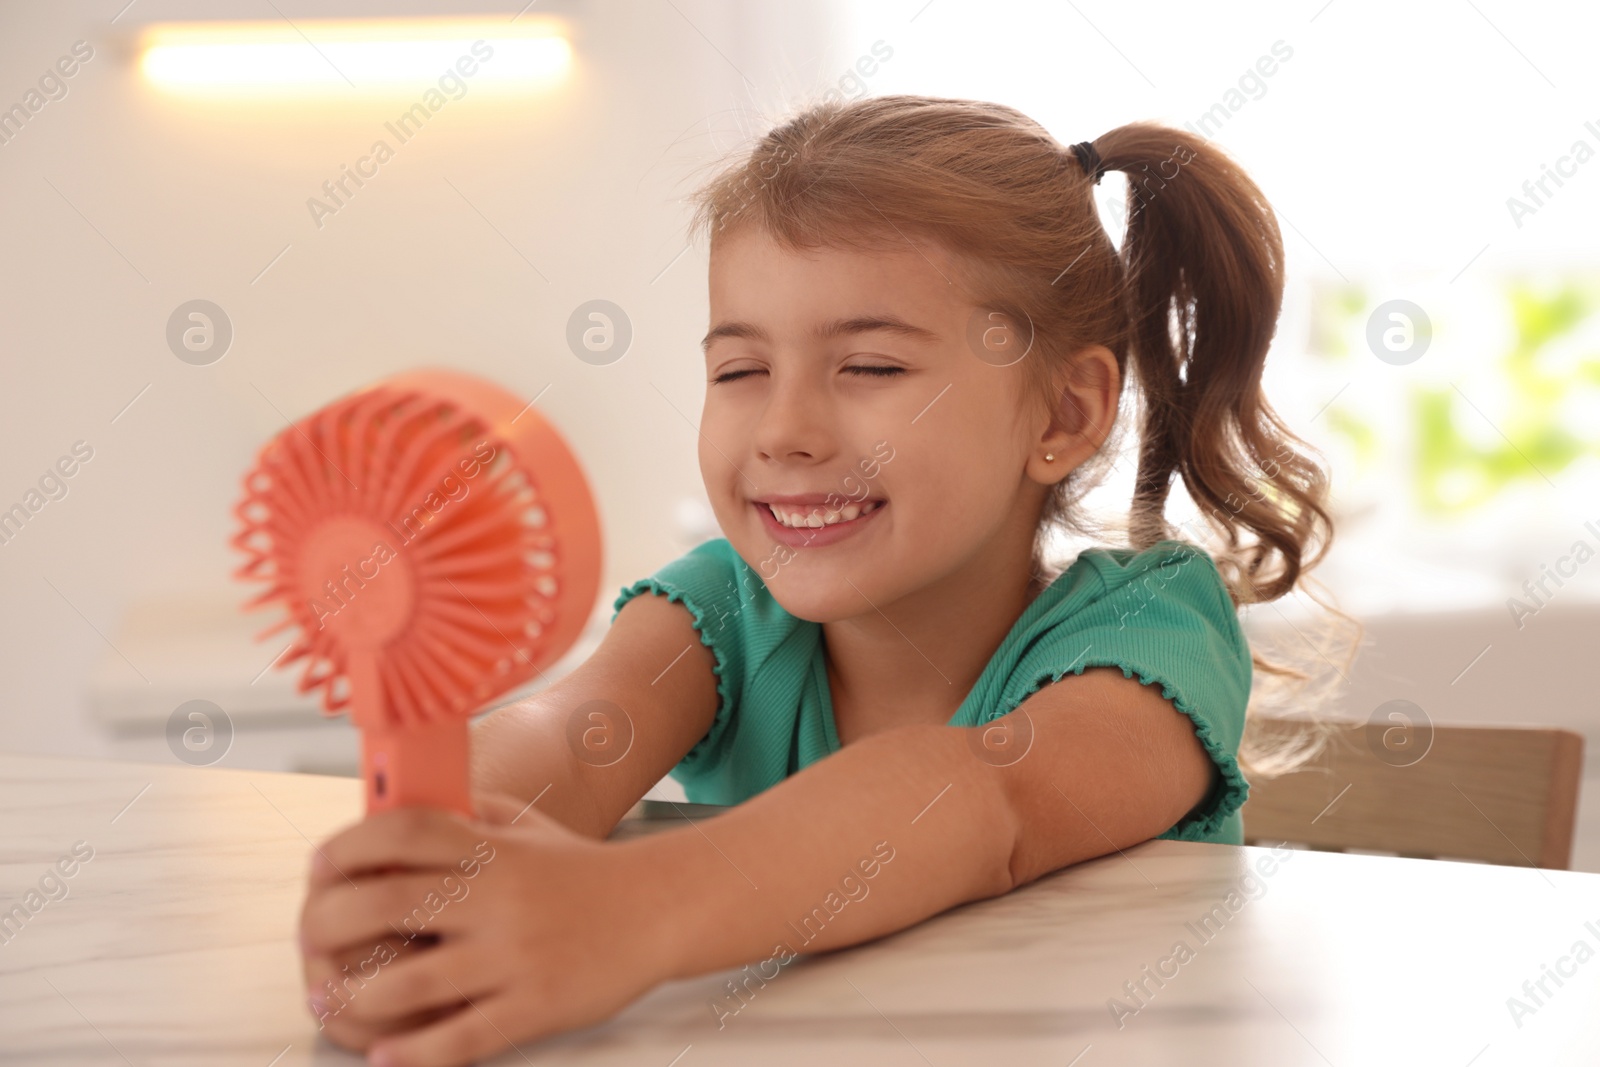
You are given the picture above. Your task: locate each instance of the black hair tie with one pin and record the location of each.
(1090, 160)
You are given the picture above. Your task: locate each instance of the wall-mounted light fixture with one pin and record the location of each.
(327, 57)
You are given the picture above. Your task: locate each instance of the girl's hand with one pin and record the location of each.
(434, 939)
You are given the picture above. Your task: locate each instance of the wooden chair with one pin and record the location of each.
(1502, 794)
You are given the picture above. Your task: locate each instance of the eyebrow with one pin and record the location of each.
(827, 331)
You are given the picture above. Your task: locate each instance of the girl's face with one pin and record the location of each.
(856, 445)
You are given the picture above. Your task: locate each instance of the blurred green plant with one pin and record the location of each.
(1452, 472)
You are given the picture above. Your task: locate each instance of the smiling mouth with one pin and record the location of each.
(816, 517)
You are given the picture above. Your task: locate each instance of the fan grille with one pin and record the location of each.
(400, 530)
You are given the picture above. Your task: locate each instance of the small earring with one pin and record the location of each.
(1049, 457)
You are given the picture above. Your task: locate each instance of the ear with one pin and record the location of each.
(1085, 411)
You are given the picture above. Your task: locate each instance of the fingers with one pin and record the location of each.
(340, 917)
(332, 983)
(348, 1032)
(397, 838)
(379, 996)
(484, 1026)
(334, 979)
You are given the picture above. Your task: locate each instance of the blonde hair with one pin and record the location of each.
(1191, 300)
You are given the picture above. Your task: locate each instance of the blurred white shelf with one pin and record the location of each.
(206, 649)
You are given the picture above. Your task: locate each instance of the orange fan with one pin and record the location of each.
(435, 544)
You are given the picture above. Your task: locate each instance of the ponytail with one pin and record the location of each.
(1203, 262)
(1204, 285)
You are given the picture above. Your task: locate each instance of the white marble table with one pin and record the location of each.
(173, 947)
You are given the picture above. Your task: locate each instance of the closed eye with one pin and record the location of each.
(865, 369)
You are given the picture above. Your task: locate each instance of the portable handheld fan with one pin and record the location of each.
(434, 542)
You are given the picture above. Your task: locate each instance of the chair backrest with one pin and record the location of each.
(1502, 794)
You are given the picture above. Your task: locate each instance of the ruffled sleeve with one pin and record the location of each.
(717, 587)
(1162, 615)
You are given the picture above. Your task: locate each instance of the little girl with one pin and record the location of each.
(920, 338)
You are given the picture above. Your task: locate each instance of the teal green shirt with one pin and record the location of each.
(1162, 614)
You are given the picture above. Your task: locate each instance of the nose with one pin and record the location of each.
(796, 423)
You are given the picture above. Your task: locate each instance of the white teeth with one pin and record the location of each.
(816, 519)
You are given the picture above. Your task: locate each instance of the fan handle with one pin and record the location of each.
(418, 765)
(413, 764)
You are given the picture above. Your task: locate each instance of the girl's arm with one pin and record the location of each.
(630, 711)
(1112, 763)
(546, 930)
